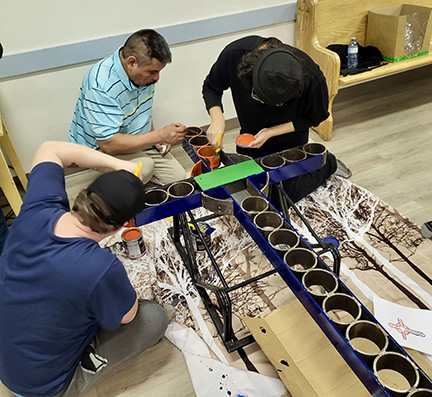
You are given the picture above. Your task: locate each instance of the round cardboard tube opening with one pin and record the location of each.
(367, 339)
(282, 240)
(396, 373)
(198, 141)
(180, 189)
(155, 196)
(342, 309)
(271, 162)
(320, 283)
(300, 260)
(254, 205)
(268, 221)
(193, 131)
(421, 392)
(209, 153)
(315, 149)
(293, 155)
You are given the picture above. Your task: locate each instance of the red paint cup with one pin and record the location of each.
(209, 153)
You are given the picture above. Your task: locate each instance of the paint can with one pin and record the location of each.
(133, 242)
(196, 240)
(197, 243)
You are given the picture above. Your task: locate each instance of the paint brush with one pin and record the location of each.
(138, 169)
(218, 149)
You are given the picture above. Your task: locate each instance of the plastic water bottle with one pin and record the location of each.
(353, 53)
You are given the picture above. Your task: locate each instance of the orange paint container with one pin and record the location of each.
(193, 131)
(198, 141)
(209, 153)
(243, 140)
(133, 242)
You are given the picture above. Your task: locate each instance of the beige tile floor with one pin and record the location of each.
(383, 132)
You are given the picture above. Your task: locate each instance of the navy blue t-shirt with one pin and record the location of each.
(55, 293)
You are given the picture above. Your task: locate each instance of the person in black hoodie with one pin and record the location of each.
(279, 92)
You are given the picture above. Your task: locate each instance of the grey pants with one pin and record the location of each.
(121, 346)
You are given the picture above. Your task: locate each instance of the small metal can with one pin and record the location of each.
(133, 242)
(197, 243)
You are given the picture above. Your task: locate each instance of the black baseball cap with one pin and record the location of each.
(277, 76)
(122, 193)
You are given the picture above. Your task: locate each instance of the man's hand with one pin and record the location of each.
(173, 133)
(163, 148)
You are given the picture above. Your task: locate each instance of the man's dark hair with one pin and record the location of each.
(146, 44)
(1, 50)
(247, 63)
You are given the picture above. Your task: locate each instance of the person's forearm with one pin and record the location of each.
(266, 133)
(216, 114)
(68, 154)
(281, 129)
(127, 144)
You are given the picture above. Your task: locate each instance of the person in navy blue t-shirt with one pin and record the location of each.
(67, 307)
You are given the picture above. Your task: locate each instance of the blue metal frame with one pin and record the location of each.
(274, 177)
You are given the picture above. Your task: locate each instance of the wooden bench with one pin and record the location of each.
(320, 23)
(7, 182)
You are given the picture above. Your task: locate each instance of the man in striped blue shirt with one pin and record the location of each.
(114, 108)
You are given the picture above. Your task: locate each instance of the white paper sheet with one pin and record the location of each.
(214, 378)
(410, 327)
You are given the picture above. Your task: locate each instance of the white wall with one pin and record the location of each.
(39, 106)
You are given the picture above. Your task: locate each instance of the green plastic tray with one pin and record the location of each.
(228, 174)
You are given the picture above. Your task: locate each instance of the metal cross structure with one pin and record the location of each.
(221, 191)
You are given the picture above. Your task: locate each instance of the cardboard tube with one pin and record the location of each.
(421, 392)
(293, 155)
(343, 303)
(254, 205)
(198, 141)
(320, 283)
(209, 153)
(155, 197)
(300, 260)
(193, 131)
(268, 221)
(315, 149)
(400, 364)
(180, 189)
(282, 240)
(272, 162)
(368, 331)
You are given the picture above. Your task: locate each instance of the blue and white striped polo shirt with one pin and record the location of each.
(108, 103)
